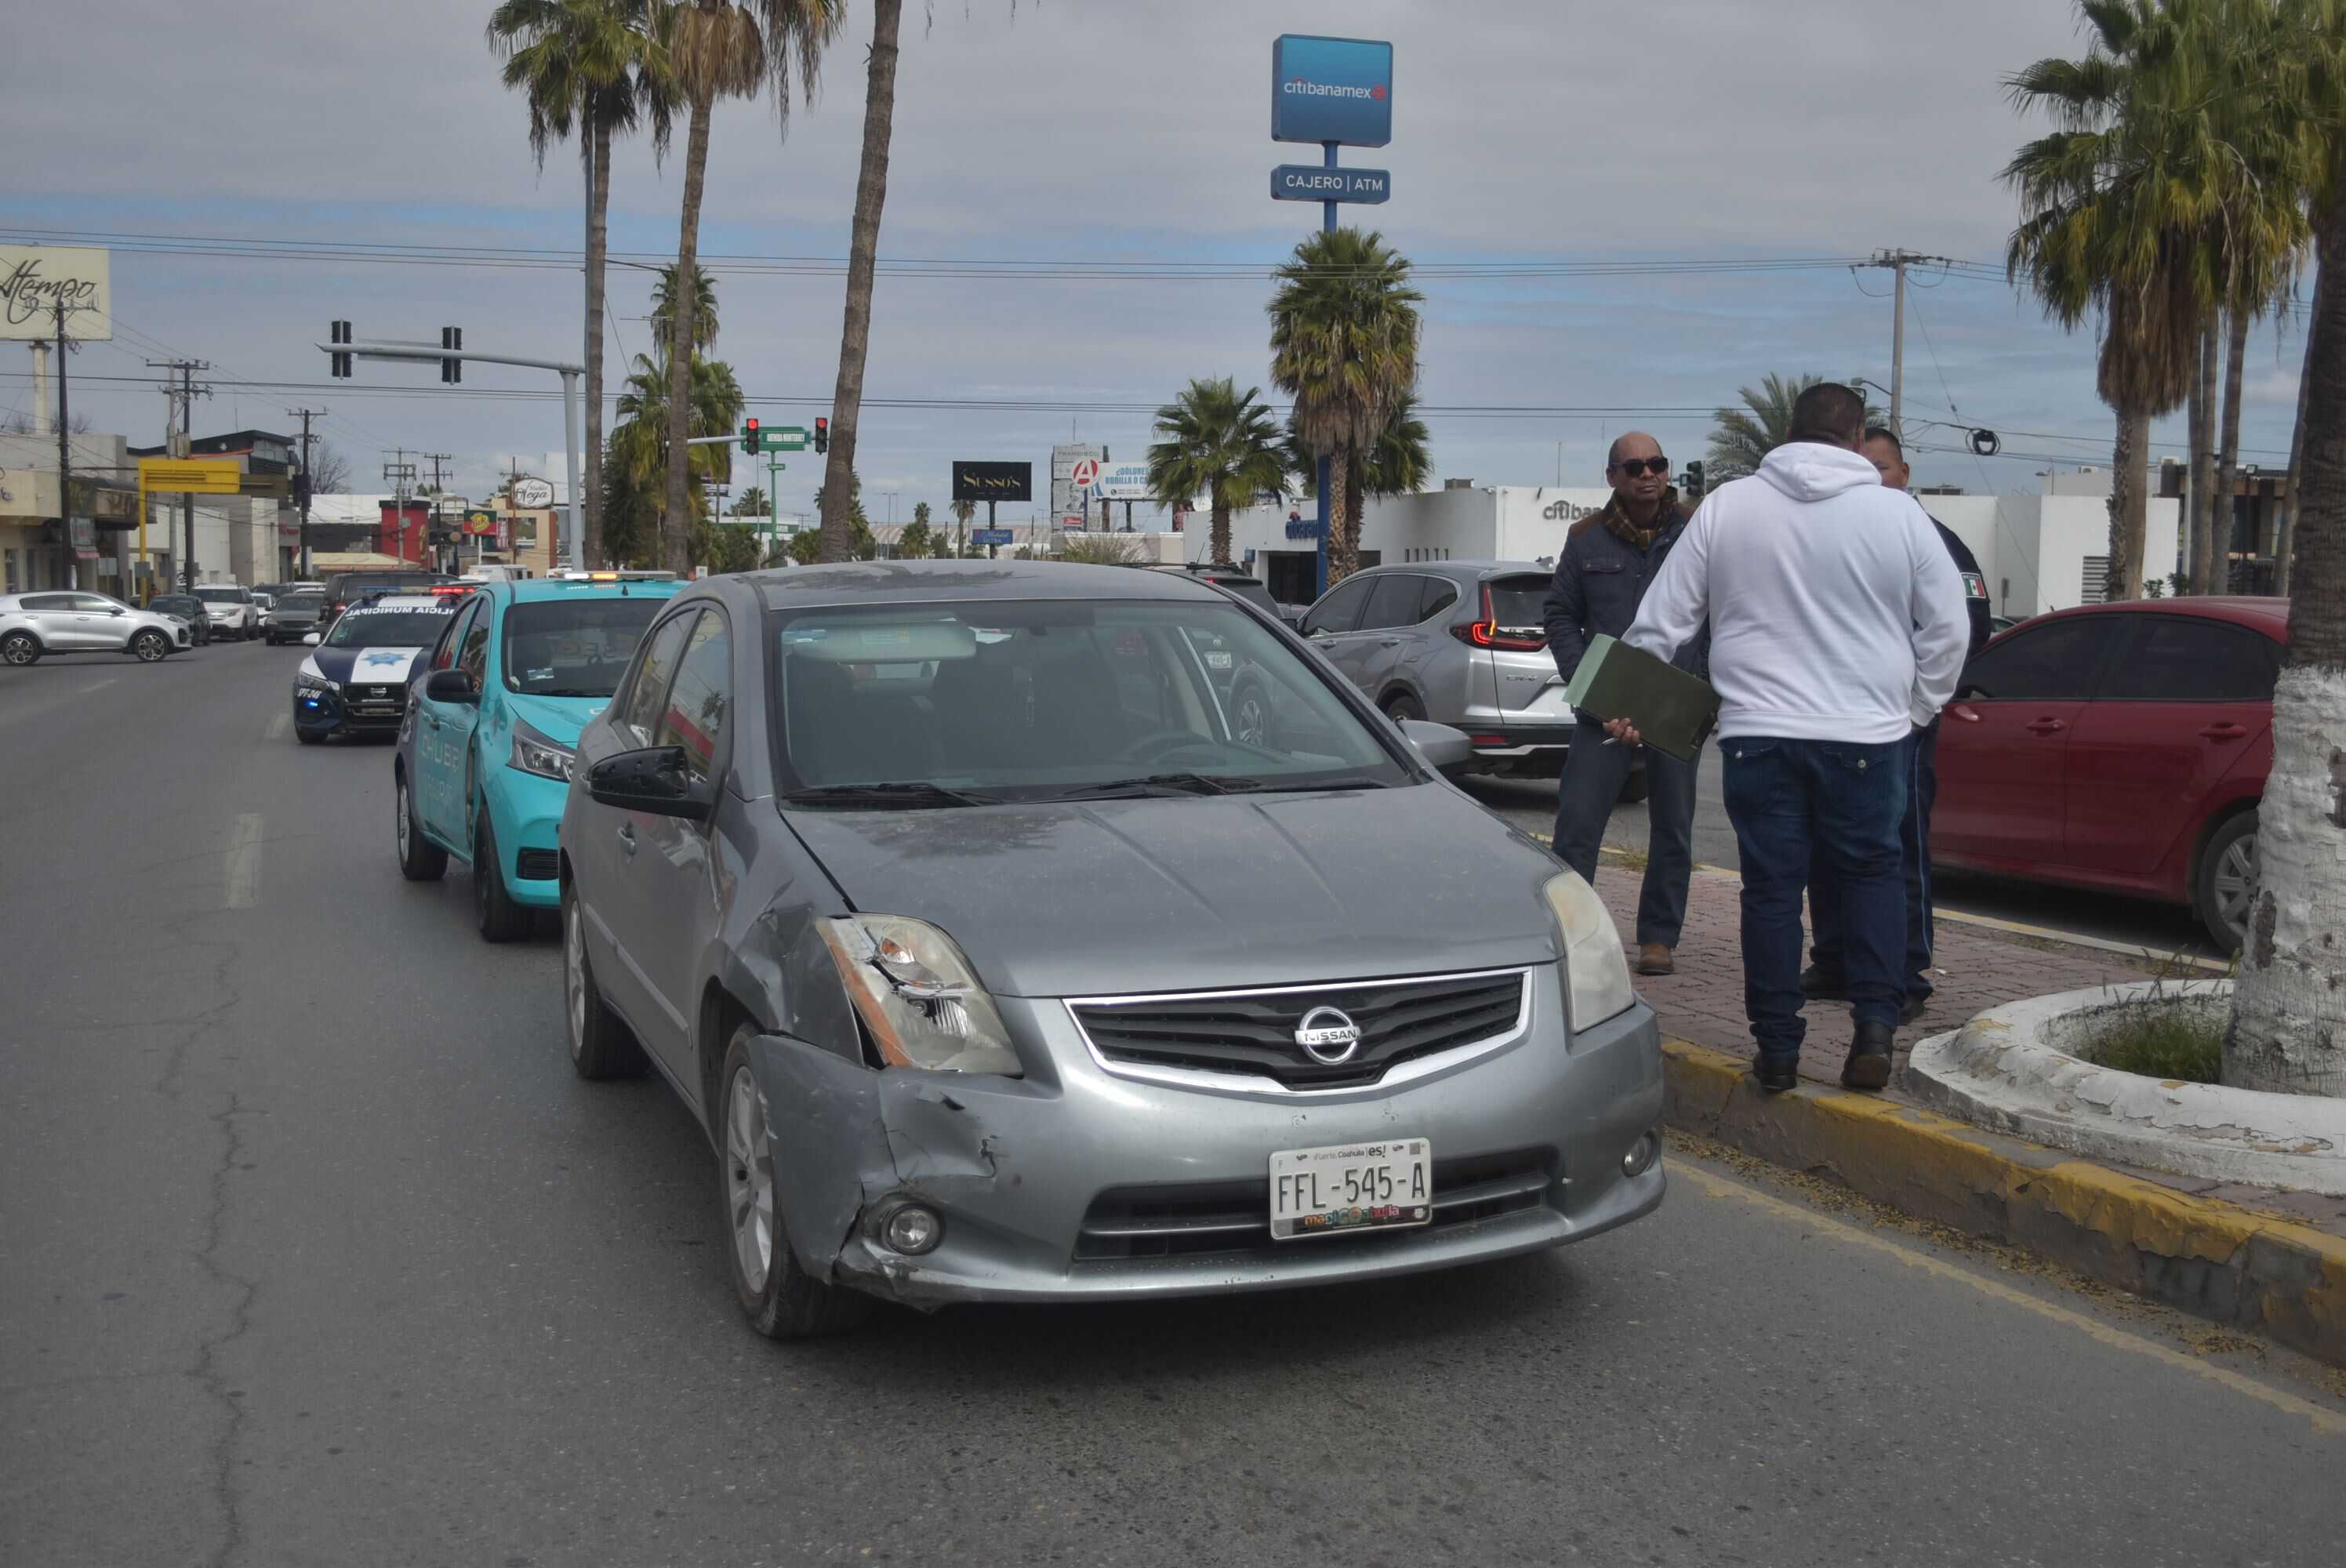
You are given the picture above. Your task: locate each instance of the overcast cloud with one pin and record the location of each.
(1086, 129)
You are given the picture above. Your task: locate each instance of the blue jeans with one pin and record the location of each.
(1593, 776)
(1825, 918)
(1788, 799)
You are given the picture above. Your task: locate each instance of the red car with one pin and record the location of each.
(2120, 747)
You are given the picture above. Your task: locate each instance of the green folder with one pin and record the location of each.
(1674, 711)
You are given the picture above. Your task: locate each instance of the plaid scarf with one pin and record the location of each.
(1618, 524)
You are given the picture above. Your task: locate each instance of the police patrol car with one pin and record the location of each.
(355, 680)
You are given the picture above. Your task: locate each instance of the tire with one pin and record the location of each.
(20, 648)
(601, 1046)
(1400, 705)
(2224, 883)
(1251, 718)
(308, 737)
(150, 646)
(500, 919)
(420, 860)
(781, 1301)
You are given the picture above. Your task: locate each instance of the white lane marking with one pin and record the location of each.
(2323, 1420)
(244, 861)
(98, 686)
(279, 726)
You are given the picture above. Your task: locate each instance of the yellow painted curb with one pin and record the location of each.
(2237, 1265)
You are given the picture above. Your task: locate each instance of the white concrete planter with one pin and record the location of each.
(2007, 1069)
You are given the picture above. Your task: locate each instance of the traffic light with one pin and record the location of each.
(1694, 477)
(451, 371)
(750, 441)
(340, 332)
(822, 433)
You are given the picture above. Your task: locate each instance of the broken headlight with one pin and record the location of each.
(915, 991)
(1595, 972)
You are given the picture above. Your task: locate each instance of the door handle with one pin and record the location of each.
(2045, 727)
(1965, 711)
(628, 837)
(2223, 732)
(1388, 642)
(431, 718)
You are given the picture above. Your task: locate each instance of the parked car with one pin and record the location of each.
(485, 748)
(35, 626)
(1231, 580)
(999, 966)
(188, 611)
(294, 615)
(344, 589)
(356, 681)
(1462, 643)
(232, 608)
(2121, 746)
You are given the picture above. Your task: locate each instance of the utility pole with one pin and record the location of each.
(400, 473)
(433, 515)
(185, 395)
(308, 486)
(65, 452)
(1898, 261)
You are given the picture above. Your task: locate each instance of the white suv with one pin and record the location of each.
(231, 609)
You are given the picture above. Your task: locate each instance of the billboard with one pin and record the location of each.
(36, 279)
(1066, 494)
(1331, 90)
(993, 482)
(1124, 481)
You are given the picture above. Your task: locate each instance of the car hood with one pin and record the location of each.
(359, 666)
(555, 717)
(1098, 897)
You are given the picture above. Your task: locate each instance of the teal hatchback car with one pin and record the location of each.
(492, 722)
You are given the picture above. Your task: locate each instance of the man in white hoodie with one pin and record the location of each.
(1837, 631)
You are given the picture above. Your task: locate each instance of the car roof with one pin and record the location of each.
(916, 582)
(406, 601)
(2267, 613)
(535, 590)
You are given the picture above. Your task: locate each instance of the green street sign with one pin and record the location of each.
(779, 438)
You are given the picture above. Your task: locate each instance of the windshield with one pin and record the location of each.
(1519, 603)
(574, 648)
(1250, 589)
(307, 602)
(221, 596)
(387, 626)
(1042, 700)
(172, 604)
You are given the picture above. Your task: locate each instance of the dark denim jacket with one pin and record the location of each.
(1600, 581)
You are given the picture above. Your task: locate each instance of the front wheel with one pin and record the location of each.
(782, 1301)
(420, 860)
(500, 919)
(2224, 889)
(149, 647)
(20, 648)
(1402, 705)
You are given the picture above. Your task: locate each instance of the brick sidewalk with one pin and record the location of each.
(1703, 1001)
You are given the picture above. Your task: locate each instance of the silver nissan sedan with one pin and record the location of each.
(999, 967)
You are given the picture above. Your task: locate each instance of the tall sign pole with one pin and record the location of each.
(1337, 92)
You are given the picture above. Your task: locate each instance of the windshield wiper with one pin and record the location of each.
(892, 794)
(1155, 784)
(1308, 786)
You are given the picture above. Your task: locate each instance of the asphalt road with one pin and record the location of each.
(2138, 923)
(315, 1252)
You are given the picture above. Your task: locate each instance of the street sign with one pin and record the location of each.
(1083, 472)
(1310, 182)
(1331, 89)
(989, 535)
(773, 437)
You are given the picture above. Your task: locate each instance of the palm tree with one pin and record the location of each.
(963, 512)
(1344, 344)
(862, 263)
(640, 443)
(1219, 441)
(1402, 461)
(704, 306)
(752, 503)
(1741, 437)
(724, 49)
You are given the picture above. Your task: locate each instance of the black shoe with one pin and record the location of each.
(1868, 1067)
(1777, 1073)
(1914, 1006)
(1819, 986)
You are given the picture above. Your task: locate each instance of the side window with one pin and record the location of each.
(1441, 593)
(444, 654)
(49, 601)
(94, 604)
(472, 652)
(2055, 663)
(2182, 658)
(701, 697)
(1393, 602)
(1341, 610)
(649, 689)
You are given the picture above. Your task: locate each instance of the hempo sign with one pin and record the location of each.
(1332, 90)
(35, 279)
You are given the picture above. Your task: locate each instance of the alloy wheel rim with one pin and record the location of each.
(749, 1179)
(149, 649)
(1251, 726)
(574, 975)
(2236, 885)
(19, 651)
(404, 828)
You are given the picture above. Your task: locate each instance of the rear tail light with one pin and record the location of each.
(1487, 741)
(1487, 633)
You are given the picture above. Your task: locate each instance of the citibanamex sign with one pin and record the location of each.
(36, 280)
(1567, 512)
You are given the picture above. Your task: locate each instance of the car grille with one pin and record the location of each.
(379, 702)
(1234, 1217)
(537, 865)
(1253, 1033)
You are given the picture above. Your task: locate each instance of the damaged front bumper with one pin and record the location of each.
(1020, 1168)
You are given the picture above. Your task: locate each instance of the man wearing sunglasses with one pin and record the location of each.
(1601, 576)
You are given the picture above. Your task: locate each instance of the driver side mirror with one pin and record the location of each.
(654, 780)
(451, 685)
(310, 639)
(1443, 748)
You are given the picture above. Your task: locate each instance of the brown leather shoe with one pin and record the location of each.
(1653, 958)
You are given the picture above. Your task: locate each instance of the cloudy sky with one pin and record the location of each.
(1534, 137)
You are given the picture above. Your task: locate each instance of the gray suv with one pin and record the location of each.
(998, 965)
(1462, 643)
